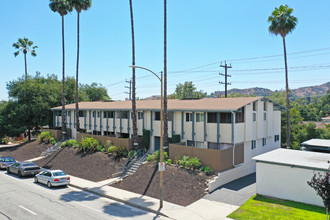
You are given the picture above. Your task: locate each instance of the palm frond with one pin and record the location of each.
(16, 53)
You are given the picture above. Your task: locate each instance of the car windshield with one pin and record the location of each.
(60, 173)
(2, 160)
(9, 160)
(28, 164)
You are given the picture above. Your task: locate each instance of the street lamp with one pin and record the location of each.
(161, 130)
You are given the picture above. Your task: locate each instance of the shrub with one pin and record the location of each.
(45, 137)
(117, 151)
(189, 163)
(111, 149)
(207, 170)
(70, 143)
(169, 162)
(194, 163)
(156, 156)
(131, 153)
(182, 160)
(53, 141)
(100, 148)
(89, 144)
(4, 140)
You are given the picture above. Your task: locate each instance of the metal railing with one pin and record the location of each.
(121, 170)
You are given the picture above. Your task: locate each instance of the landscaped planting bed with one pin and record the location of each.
(25, 151)
(181, 186)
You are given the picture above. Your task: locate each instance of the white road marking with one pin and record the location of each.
(26, 209)
(64, 197)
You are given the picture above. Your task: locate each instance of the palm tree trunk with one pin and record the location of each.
(288, 117)
(77, 71)
(165, 77)
(25, 66)
(63, 86)
(133, 77)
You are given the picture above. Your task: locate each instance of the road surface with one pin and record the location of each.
(21, 199)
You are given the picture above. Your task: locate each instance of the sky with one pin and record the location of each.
(200, 35)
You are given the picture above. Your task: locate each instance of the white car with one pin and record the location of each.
(52, 178)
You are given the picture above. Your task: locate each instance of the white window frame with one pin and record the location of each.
(200, 117)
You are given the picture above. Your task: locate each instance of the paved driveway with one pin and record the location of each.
(236, 192)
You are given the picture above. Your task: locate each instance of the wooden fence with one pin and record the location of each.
(218, 160)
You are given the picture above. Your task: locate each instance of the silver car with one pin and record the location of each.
(23, 169)
(6, 161)
(52, 178)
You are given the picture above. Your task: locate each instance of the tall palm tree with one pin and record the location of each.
(135, 136)
(281, 23)
(25, 45)
(165, 77)
(62, 7)
(79, 5)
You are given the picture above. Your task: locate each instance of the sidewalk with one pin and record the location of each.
(201, 209)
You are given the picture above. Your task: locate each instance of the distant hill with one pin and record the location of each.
(257, 91)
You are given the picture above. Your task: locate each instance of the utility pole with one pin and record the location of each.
(130, 89)
(225, 75)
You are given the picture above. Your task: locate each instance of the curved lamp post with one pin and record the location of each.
(161, 129)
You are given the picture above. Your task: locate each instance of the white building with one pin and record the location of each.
(252, 124)
(283, 173)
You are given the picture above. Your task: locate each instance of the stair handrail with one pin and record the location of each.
(129, 163)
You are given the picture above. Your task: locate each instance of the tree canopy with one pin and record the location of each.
(187, 91)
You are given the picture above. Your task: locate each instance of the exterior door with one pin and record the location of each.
(157, 143)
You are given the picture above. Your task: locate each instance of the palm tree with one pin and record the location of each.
(133, 77)
(25, 45)
(79, 5)
(62, 7)
(281, 23)
(165, 77)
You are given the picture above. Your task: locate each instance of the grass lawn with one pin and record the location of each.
(260, 207)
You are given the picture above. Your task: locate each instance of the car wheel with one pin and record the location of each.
(49, 185)
(35, 179)
(19, 173)
(8, 171)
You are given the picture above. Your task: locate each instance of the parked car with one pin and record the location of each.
(23, 169)
(6, 161)
(52, 178)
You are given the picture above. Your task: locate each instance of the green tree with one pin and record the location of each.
(282, 23)
(187, 90)
(96, 92)
(79, 5)
(62, 7)
(135, 136)
(25, 45)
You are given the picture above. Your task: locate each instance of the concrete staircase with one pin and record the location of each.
(51, 149)
(135, 166)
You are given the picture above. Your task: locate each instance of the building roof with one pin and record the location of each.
(296, 158)
(317, 143)
(209, 104)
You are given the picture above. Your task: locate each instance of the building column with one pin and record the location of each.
(85, 112)
(114, 122)
(218, 127)
(143, 121)
(193, 126)
(172, 123)
(107, 115)
(205, 134)
(54, 119)
(90, 120)
(120, 121)
(182, 125)
(101, 117)
(95, 115)
(129, 118)
(151, 113)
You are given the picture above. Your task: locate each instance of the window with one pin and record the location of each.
(265, 116)
(200, 144)
(254, 116)
(264, 141)
(94, 113)
(169, 116)
(82, 113)
(253, 144)
(124, 115)
(59, 113)
(188, 117)
(212, 145)
(199, 117)
(225, 117)
(96, 132)
(265, 106)
(254, 106)
(211, 117)
(140, 115)
(110, 114)
(276, 138)
(190, 143)
(157, 116)
(98, 114)
(239, 118)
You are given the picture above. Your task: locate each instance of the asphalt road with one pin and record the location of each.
(21, 199)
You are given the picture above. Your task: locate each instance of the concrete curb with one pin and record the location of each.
(120, 200)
